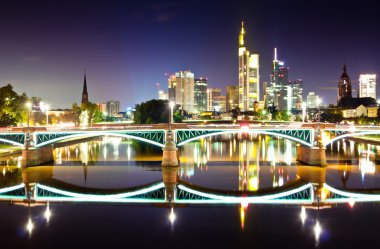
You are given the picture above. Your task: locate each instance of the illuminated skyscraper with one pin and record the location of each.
(344, 86)
(181, 90)
(367, 85)
(278, 92)
(249, 76)
(232, 97)
(200, 95)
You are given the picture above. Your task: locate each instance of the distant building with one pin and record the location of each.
(312, 100)
(213, 95)
(113, 108)
(249, 76)
(367, 85)
(181, 90)
(357, 107)
(297, 91)
(220, 105)
(162, 95)
(232, 97)
(84, 91)
(102, 107)
(200, 95)
(344, 85)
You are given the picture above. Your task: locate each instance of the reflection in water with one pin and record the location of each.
(240, 164)
(303, 215)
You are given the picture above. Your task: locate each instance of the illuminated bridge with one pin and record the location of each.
(307, 135)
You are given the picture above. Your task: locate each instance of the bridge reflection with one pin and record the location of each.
(37, 185)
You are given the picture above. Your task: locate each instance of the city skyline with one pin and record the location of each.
(127, 48)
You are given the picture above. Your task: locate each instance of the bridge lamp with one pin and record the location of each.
(244, 128)
(171, 104)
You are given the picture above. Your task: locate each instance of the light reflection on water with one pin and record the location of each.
(226, 162)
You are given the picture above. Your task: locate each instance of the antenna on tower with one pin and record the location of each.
(275, 54)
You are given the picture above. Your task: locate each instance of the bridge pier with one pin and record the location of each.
(169, 155)
(37, 156)
(315, 156)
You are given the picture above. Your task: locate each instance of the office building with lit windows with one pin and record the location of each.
(249, 76)
(367, 85)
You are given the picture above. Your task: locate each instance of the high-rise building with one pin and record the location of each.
(344, 85)
(181, 90)
(278, 92)
(232, 97)
(200, 95)
(312, 100)
(84, 92)
(249, 76)
(113, 108)
(213, 95)
(297, 90)
(367, 85)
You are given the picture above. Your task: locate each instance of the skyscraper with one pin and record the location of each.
(232, 97)
(84, 92)
(278, 92)
(344, 86)
(181, 90)
(249, 76)
(367, 85)
(200, 95)
(172, 83)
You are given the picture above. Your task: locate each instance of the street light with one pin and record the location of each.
(29, 107)
(45, 108)
(303, 112)
(319, 119)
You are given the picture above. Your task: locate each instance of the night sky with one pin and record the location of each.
(127, 47)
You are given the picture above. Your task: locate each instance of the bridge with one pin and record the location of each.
(313, 137)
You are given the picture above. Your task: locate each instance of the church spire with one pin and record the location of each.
(241, 36)
(84, 92)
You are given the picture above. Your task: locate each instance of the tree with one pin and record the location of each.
(94, 114)
(12, 106)
(154, 111)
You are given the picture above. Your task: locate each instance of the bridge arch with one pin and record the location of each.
(12, 142)
(45, 138)
(258, 131)
(351, 134)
